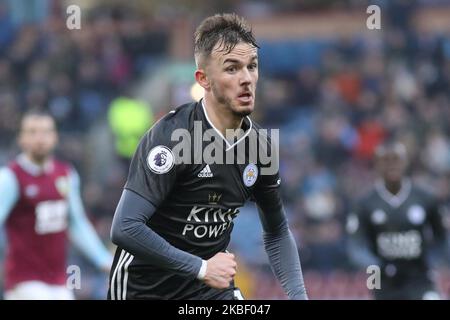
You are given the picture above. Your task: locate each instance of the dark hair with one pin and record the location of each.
(36, 112)
(226, 29)
(391, 145)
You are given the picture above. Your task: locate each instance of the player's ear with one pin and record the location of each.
(202, 79)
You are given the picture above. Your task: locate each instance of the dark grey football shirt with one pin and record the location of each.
(398, 231)
(196, 203)
(191, 205)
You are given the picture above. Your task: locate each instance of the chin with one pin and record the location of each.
(243, 111)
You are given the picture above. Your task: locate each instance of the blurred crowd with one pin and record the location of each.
(332, 111)
(334, 101)
(76, 75)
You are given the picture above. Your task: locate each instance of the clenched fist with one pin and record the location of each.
(220, 270)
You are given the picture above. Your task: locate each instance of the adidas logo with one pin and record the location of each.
(205, 173)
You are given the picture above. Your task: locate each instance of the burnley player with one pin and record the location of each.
(174, 220)
(40, 206)
(394, 227)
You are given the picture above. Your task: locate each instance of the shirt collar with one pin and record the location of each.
(395, 200)
(32, 168)
(247, 125)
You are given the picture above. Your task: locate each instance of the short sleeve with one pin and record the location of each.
(153, 171)
(268, 175)
(356, 220)
(266, 194)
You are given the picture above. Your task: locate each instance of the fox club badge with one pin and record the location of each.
(250, 174)
(416, 214)
(160, 159)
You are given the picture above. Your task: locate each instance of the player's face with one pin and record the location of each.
(392, 166)
(233, 77)
(38, 137)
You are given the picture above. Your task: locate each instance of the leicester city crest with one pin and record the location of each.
(160, 159)
(416, 214)
(250, 174)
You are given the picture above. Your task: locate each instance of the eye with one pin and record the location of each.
(253, 66)
(231, 69)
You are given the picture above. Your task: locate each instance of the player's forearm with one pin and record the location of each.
(280, 244)
(285, 262)
(84, 237)
(441, 239)
(130, 232)
(81, 232)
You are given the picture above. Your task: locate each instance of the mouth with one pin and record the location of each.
(393, 173)
(245, 97)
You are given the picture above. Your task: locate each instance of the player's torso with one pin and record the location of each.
(36, 227)
(42, 207)
(398, 228)
(198, 215)
(216, 179)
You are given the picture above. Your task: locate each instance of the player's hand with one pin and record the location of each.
(220, 270)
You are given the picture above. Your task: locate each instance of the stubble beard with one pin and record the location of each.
(229, 105)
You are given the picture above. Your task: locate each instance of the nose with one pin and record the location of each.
(246, 77)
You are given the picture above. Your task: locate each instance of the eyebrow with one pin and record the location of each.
(231, 60)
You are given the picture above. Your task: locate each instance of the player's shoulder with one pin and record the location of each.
(12, 164)
(178, 118)
(422, 192)
(12, 167)
(265, 135)
(59, 163)
(258, 128)
(255, 125)
(8, 169)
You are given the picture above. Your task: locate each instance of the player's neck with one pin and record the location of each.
(38, 161)
(221, 118)
(393, 187)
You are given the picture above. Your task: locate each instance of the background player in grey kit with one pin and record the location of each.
(174, 220)
(395, 227)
